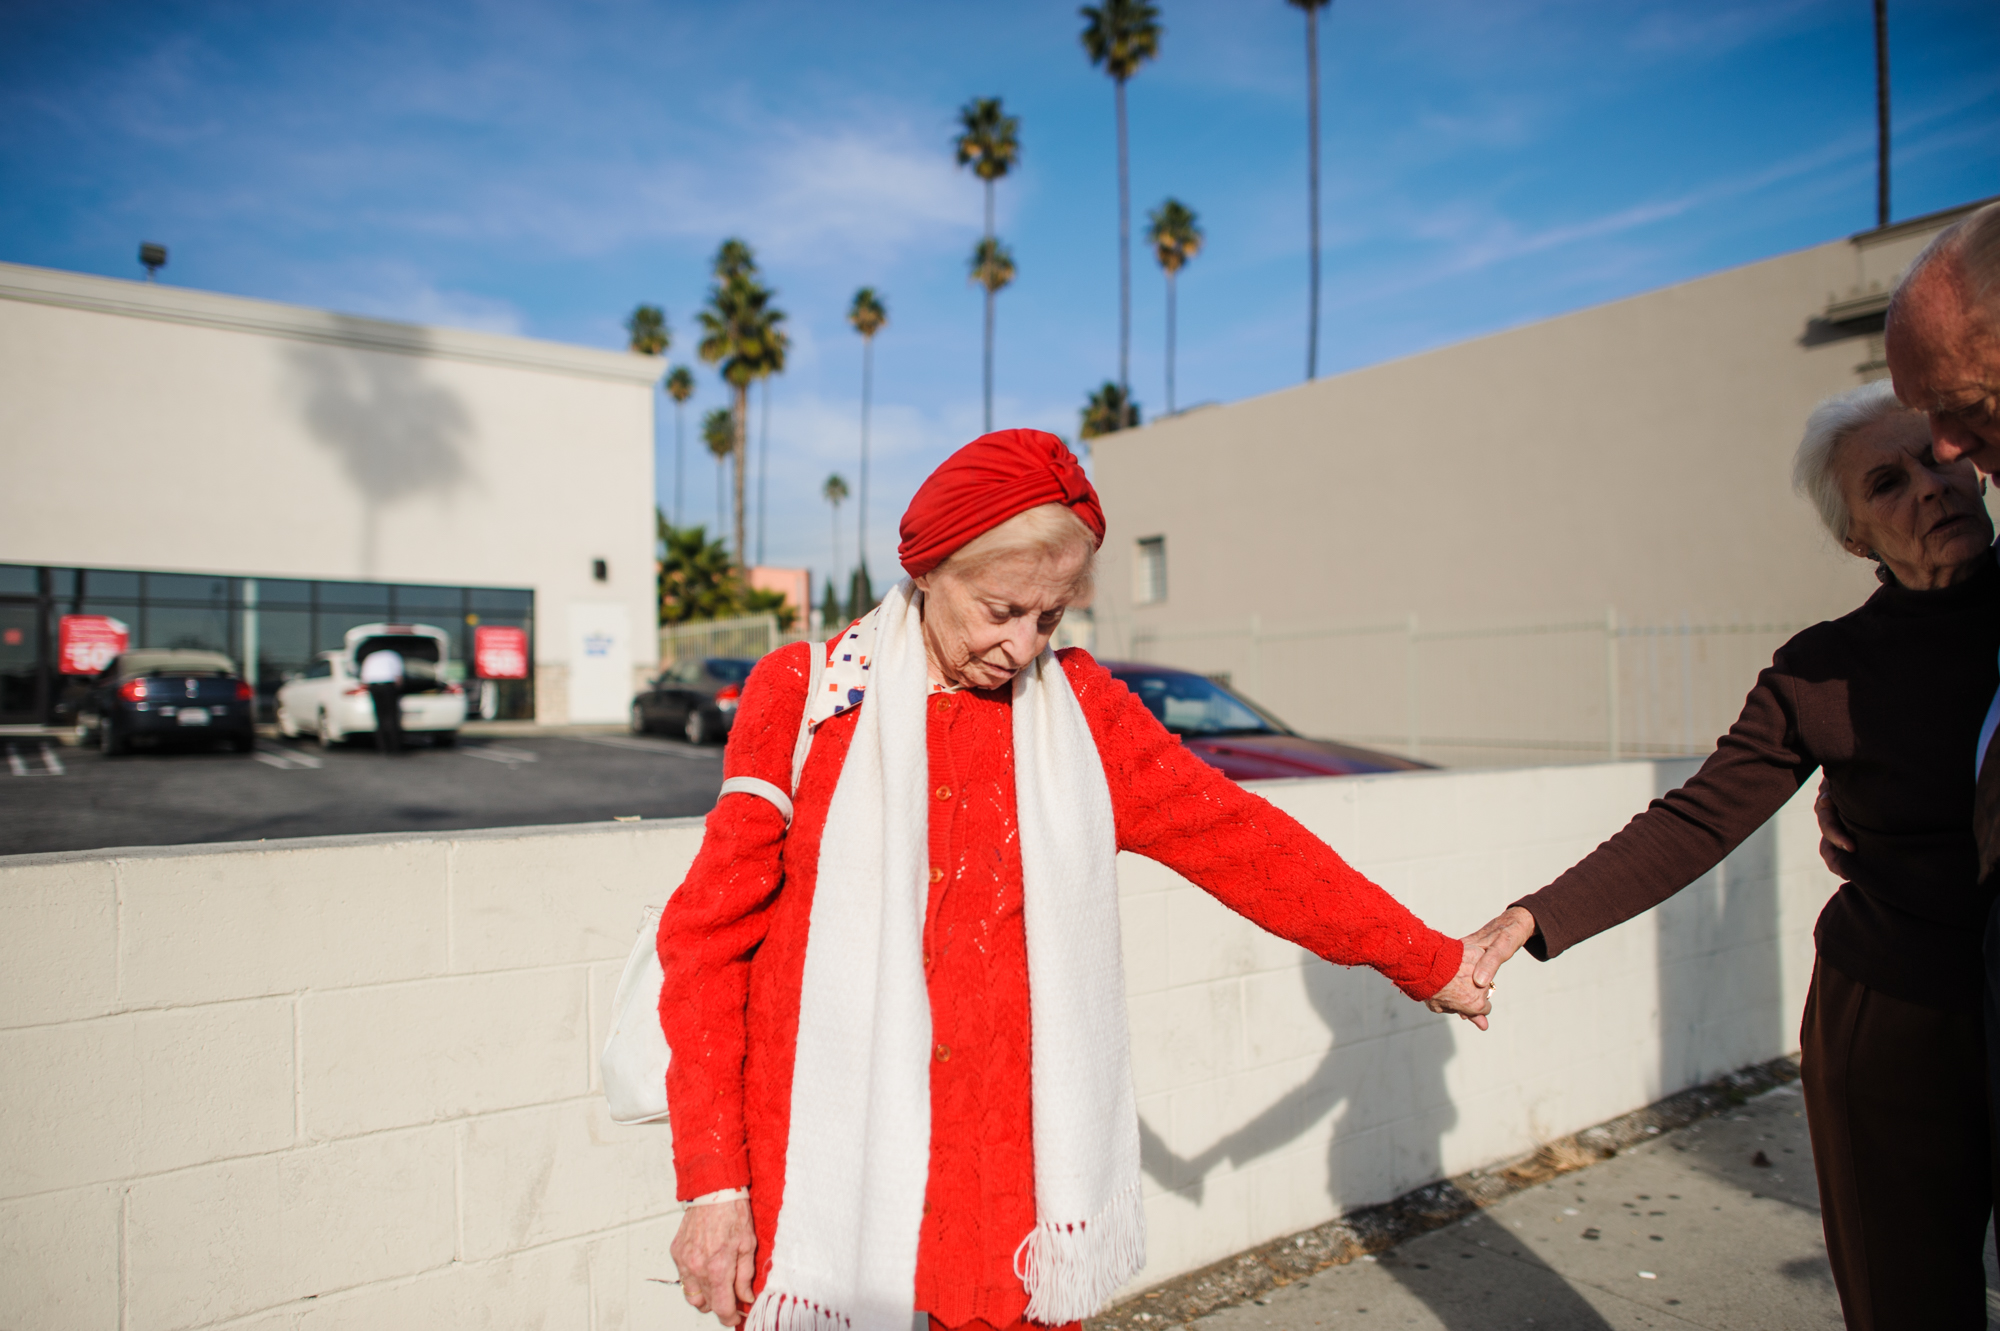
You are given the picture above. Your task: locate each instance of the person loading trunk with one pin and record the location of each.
(382, 672)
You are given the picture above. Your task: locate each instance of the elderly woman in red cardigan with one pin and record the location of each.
(900, 1080)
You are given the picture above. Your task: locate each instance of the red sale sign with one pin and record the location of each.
(85, 644)
(499, 652)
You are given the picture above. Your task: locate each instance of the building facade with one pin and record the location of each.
(258, 478)
(1568, 540)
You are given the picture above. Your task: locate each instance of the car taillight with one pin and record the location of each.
(244, 693)
(357, 690)
(726, 697)
(132, 690)
(453, 689)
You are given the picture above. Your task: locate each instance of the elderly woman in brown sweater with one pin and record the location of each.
(1888, 700)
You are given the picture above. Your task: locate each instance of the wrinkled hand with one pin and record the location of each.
(716, 1254)
(1462, 995)
(1836, 843)
(1499, 938)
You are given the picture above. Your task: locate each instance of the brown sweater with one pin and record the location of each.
(1889, 700)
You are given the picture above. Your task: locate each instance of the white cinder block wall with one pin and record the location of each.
(351, 1082)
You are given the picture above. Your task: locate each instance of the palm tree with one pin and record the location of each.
(988, 142)
(647, 331)
(680, 387)
(1122, 35)
(1109, 410)
(993, 268)
(696, 580)
(718, 431)
(835, 493)
(1176, 237)
(740, 333)
(1312, 8)
(869, 316)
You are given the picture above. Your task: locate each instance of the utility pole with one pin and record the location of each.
(1881, 112)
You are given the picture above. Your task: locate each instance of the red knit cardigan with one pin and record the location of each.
(733, 941)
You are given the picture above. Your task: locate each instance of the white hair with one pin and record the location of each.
(1047, 531)
(1830, 425)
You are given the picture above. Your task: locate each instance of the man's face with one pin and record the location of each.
(1944, 359)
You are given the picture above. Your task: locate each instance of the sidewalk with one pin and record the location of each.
(1682, 1230)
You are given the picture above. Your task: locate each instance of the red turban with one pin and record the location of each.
(991, 479)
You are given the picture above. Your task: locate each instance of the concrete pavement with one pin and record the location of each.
(1683, 1230)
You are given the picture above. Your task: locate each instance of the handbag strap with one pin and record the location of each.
(766, 790)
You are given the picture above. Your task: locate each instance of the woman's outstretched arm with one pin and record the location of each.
(1262, 863)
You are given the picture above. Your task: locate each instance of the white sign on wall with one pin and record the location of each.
(600, 661)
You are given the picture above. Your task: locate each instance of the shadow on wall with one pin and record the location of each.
(397, 435)
(1371, 1148)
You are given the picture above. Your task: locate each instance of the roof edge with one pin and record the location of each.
(241, 314)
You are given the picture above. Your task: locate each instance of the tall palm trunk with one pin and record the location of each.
(680, 448)
(836, 546)
(1881, 112)
(1172, 285)
(1312, 188)
(763, 463)
(861, 506)
(988, 361)
(1124, 250)
(742, 424)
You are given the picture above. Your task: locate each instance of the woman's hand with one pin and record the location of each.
(716, 1254)
(1498, 939)
(1463, 996)
(1836, 843)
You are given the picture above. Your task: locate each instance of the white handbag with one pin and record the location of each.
(634, 1061)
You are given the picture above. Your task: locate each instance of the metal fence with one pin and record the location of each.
(750, 636)
(1491, 693)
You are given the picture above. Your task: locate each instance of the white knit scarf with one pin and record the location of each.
(858, 1157)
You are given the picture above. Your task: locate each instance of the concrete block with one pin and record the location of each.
(226, 1240)
(241, 923)
(547, 1290)
(1184, 1036)
(58, 940)
(1143, 931)
(143, 1092)
(59, 1260)
(539, 1175)
(1288, 1192)
(604, 977)
(404, 1054)
(544, 899)
(1206, 940)
(627, 1271)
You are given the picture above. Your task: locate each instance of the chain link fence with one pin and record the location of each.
(750, 636)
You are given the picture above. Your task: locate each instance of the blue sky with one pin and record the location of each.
(541, 168)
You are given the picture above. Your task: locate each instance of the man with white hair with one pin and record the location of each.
(1943, 347)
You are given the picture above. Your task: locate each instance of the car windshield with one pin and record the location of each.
(1190, 705)
(730, 670)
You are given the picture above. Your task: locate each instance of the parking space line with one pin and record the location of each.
(285, 760)
(666, 748)
(500, 753)
(51, 765)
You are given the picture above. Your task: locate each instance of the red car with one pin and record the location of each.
(1236, 735)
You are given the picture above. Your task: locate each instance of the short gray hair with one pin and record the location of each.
(1974, 243)
(1830, 425)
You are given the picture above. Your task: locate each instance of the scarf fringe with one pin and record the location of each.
(788, 1312)
(1071, 1270)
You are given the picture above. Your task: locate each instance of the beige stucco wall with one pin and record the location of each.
(154, 428)
(1634, 456)
(351, 1082)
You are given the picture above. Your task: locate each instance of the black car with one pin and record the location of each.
(696, 697)
(154, 695)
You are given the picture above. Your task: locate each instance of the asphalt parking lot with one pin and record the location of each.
(54, 797)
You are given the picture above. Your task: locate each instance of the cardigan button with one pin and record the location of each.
(937, 874)
(944, 1053)
(944, 704)
(944, 792)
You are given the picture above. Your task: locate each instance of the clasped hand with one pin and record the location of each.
(1470, 993)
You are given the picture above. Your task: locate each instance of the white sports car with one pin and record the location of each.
(331, 702)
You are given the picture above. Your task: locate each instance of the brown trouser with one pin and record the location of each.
(1896, 1102)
